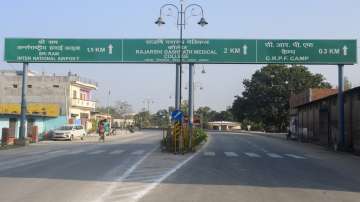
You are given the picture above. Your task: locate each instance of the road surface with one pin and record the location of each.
(229, 167)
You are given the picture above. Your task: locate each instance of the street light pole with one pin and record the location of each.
(181, 22)
(181, 48)
(191, 103)
(22, 131)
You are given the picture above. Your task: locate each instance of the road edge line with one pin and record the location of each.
(153, 185)
(125, 175)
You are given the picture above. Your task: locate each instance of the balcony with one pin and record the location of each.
(83, 103)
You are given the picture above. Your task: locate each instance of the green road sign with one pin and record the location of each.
(216, 51)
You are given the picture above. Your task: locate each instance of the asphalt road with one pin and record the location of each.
(229, 167)
(251, 168)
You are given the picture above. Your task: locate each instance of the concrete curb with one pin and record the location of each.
(271, 135)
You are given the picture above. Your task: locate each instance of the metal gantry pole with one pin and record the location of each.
(181, 48)
(191, 103)
(177, 87)
(341, 107)
(22, 130)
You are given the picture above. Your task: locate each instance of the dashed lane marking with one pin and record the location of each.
(138, 152)
(273, 155)
(295, 156)
(252, 155)
(96, 152)
(117, 152)
(231, 154)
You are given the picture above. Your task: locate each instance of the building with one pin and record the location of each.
(123, 123)
(307, 96)
(317, 120)
(224, 125)
(96, 117)
(52, 100)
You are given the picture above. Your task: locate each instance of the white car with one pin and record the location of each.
(69, 132)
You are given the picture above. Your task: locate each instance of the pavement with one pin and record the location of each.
(131, 167)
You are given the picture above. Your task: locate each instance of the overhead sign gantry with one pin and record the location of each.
(204, 51)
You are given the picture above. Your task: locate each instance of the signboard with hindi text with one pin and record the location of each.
(204, 51)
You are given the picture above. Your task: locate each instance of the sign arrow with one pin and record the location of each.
(110, 48)
(345, 49)
(245, 47)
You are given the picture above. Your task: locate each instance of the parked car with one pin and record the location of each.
(69, 132)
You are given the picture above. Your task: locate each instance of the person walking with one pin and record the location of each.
(107, 127)
(101, 129)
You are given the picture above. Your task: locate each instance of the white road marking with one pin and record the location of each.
(273, 155)
(167, 174)
(252, 155)
(295, 156)
(112, 193)
(231, 154)
(142, 178)
(111, 188)
(138, 152)
(58, 151)
(117, 152)
(209, 153)
(96, 152)
(77, 151)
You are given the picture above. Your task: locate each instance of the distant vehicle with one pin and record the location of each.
(69, 132)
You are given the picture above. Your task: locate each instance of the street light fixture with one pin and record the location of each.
(180, 22)
(160, 21)
(203, 70)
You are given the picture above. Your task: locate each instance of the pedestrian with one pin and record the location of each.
(107, 127)
(101, 129)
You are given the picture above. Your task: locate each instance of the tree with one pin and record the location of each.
(122, 108)
(205, 114)
(265, 100)
(160, 118)
(105, 110)
(223, 116)
(142, 119)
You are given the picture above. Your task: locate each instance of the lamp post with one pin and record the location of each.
(181, 23)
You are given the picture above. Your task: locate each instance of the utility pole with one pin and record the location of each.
(341, 107)
(22, 131)
(147, 102)
(191, 103)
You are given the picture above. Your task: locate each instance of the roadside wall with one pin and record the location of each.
(317, 121)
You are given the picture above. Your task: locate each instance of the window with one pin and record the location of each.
(56, 86)
(29, 86)
(74, 94)
(15, 85)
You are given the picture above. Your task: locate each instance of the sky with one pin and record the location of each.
(135, 83)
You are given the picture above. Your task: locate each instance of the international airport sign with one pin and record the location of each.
(205, 51)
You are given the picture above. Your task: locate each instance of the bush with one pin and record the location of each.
(199, 136)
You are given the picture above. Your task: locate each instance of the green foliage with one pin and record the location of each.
(160, 118)
(142, 119)
(207, 115)
(265, 100)
(199, 135)
(94, 125)
(255, 126)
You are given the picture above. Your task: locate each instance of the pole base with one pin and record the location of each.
(22, 142)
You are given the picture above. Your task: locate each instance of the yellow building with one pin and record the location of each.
(81, 103)
(52, 100)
